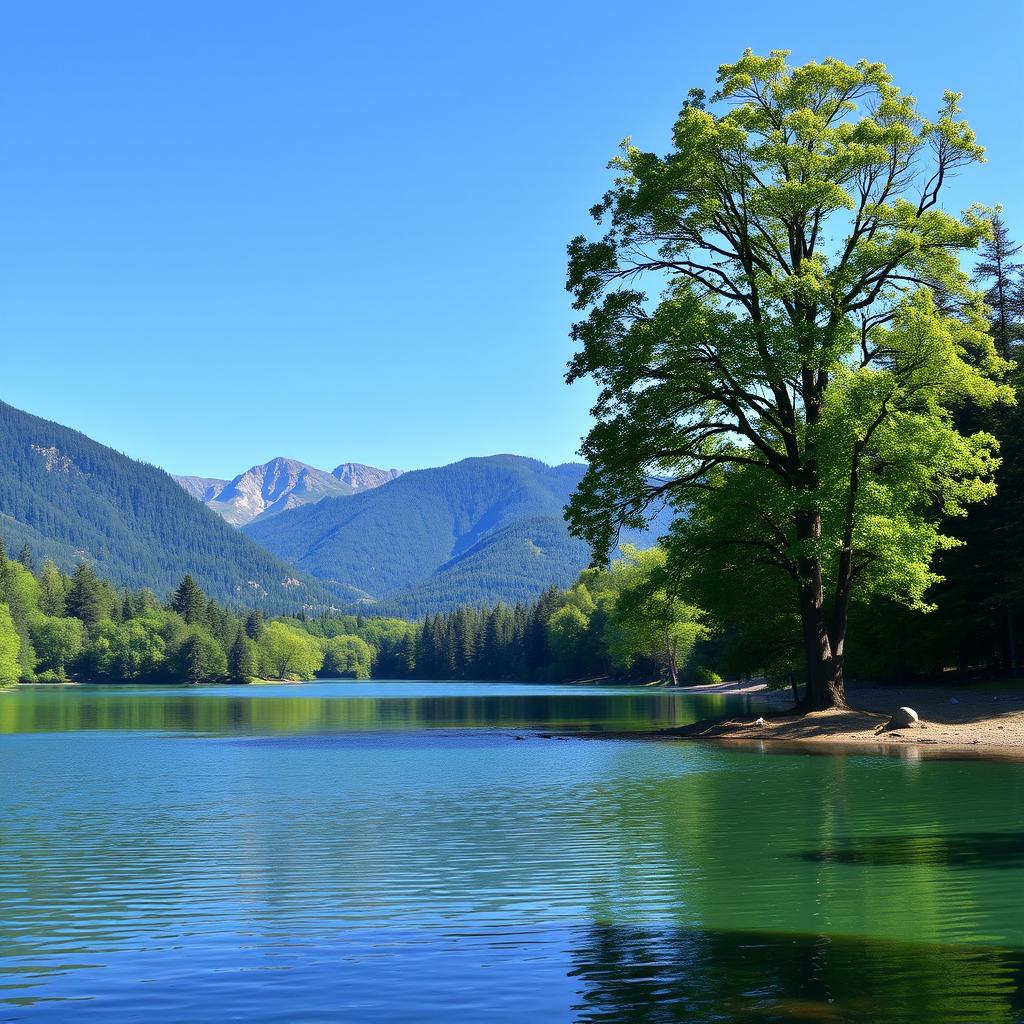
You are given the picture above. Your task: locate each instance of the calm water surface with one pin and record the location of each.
(392, 852)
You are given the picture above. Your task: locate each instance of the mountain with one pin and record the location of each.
(364, 478)
(278, 485)
(264, 490)
(477, 531)
(205, 488)
(71, 498)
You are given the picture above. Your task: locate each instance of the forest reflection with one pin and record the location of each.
(228, 712)
(639, 975)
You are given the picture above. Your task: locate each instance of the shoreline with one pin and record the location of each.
(954, 722)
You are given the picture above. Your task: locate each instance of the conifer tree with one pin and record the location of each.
(242, 658)
(193, 660)
(85, 596)
(996, 273)
(254, 625)
(189, 601)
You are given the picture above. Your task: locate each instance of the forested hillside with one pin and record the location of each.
(479, 531)
(70, 498)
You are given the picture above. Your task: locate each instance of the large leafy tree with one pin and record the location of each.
(790, 392)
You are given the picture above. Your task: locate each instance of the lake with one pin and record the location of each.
(395, 852)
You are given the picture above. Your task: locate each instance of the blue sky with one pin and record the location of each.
(233, 230)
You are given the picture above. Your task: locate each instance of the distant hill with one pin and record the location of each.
(273, 487)
(71, 498)
(477, 531)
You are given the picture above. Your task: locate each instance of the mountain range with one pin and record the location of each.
(70, 498)
(281, 484)
(477, 531)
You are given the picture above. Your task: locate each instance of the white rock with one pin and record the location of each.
(903, 719)
(760, 721)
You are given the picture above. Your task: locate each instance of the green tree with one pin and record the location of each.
(85, 595)
(52, 590)
(254, 625)
(25, 557)
(128, 650)
(347, 656)
(242, 664)
(287, 653)
(58, 642)
(189, 601)
(20, 590)
(790, 394)
(10, 648)
(200, 658)
(996, 272)
(567, 631)
(650, 618)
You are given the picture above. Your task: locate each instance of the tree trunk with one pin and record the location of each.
(824, 687)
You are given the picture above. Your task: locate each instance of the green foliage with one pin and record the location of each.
(347, 656)
(791, 395)
(706, 676)
(136, 649)
(288, 653)
(58, 642)
(613, 621)
(242, 664)
(200, 657)
(52, 590)
(85, 596)
(650, 618)
(189, 601)
(10, 649)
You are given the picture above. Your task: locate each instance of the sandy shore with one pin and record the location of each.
(953, 719)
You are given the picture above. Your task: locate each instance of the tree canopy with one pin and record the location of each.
(790, 393)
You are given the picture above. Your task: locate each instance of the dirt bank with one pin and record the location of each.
(951, 718)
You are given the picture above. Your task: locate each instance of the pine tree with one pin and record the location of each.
(189, 601)
(242, 658)
(254, 625)
(25, 557)
(193, 661)
(464, 640)
(85, 596)
(996, 272)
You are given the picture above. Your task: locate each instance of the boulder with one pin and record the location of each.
(904, 718)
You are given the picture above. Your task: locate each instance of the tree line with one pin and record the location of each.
(617, 621)
(55, 626)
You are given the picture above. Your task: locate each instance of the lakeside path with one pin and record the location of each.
(954, 720)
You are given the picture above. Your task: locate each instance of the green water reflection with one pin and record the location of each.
(344, 706)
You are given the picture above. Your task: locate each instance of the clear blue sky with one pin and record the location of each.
(233, 230)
